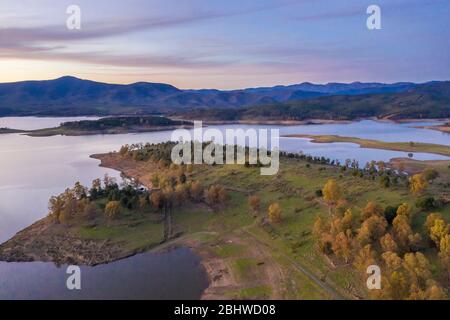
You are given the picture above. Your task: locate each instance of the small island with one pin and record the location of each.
(376, 144)
(108, 125)
(9, 130)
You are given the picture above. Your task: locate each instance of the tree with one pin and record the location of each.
(406, 210)
(388, 243)
(444, 251)
(55, 206)
(215, 194)
(431, 218)
(157, 199)
(112, 209)
(274, 213)
(392, 261)
(364, 258)
(371, 230)
(417, 267)
(404, 233)
(342, 247)
(97, 185)
(196, 191)
(155, 180)
(318, 227)
(372, 209)
(79, 190)
(331, 191)
(255, 203)
(90, 210)
(418, 184)
(438, 231)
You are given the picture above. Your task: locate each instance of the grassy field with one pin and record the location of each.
(281, 260)
(245, 255)
(375, 144)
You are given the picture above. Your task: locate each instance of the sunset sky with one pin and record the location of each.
(225, 44)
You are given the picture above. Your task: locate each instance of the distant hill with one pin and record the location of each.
(430, 100)
(68, 96)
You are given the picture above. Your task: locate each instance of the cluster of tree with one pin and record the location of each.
(120, 122)
(81, 201)
(161, 152)
(372, 170)
(274, 212)
(384, 237)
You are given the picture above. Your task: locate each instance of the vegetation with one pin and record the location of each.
(429, 100)
(312, 229)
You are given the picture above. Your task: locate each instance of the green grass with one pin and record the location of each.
(258, 292)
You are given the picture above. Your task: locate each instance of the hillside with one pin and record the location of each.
(70, 96)
(430, 100)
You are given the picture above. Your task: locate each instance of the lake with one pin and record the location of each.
(34, 168)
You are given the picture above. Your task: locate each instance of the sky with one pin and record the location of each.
(225, 44)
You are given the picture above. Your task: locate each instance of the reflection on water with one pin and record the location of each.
(176, 274)
(34, 168)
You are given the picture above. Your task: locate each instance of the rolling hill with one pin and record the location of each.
(68, 96)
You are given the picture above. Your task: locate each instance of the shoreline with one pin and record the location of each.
(207, 260)
(413, 147)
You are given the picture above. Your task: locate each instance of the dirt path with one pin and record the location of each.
(298, 267)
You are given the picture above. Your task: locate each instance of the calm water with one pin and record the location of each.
(34, 168)
(175, 274)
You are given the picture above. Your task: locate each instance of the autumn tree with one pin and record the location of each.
(418, 184)
(365, 257)
(404, 234)
(438, 231)
(215, 194)
(274, 213)
(388, 243)
(157, 199)
(112, 209)
(342, 246)
(372, 209)
(255, 203)
(331, 192)
(406, 210)
(55, 206)
(196, 190)
(444, 252)
(371, 230)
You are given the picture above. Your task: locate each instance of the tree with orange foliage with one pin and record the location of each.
(418, 183)
(255, 203)
(331, 192)
(274, 213)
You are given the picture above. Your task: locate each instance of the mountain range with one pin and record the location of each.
(68, 96)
